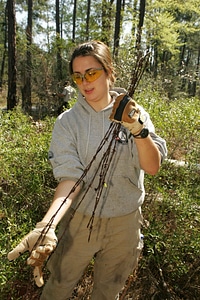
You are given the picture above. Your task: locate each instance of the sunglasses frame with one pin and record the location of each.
(83, 76)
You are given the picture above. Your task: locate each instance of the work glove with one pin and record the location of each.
(54, 94)
(40, 242)
(126, 111)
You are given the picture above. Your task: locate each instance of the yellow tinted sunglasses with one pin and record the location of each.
(89, 75)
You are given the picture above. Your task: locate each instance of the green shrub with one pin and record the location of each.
(177, 121)
(172, 242)
(27, 184)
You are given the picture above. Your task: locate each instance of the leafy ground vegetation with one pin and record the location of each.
(169, 267)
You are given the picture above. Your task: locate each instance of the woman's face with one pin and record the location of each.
(96, 93)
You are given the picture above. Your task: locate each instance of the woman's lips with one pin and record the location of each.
(88, 91)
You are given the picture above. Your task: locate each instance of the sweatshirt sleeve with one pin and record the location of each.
(63, 154)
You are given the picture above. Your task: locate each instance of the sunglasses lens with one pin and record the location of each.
(77, 78)
(93, 74)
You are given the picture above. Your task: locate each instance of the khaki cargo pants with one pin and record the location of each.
(117, 245)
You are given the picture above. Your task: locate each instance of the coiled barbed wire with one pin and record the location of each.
(103, 167)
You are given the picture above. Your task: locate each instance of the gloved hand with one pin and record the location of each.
(47, 241)
(126, 111)
(54, 94)
(36, 259)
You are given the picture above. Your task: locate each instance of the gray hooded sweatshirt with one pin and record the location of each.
(76, 136)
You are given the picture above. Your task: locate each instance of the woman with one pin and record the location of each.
(113, 237)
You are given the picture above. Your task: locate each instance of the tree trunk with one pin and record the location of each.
(26, 90)
(133, 29)
(140, 24)
(12, 71)
(117, 28)
(4, 48)
(74, 22)
(88, 20)
(58, 41)
(155, 61)
(192, 84)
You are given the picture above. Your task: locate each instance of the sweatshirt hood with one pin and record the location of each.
(113, 92)
(102, 117)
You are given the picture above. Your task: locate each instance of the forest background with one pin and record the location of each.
(36, 41)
